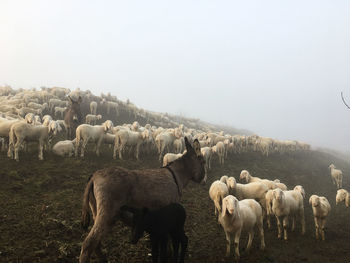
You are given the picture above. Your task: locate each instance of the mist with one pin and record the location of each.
(275, 68)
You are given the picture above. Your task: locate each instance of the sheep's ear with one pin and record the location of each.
(310, 200)
(224, 208)
(105, 128)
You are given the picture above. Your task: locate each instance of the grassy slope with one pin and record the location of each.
(41, 203)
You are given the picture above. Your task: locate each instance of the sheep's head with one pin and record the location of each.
(53, 127)
(29, 118)
(277, 181)
(300, 189)
(229, 204)
(108, 125)
(231, 182)
(342, 195)
(314, 200)
(99, 117)
(332, 166)
(278, 194)
(244, 176)
(224, 179)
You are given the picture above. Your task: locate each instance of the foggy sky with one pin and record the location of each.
(273, 67)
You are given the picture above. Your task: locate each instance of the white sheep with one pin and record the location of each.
(111, 105)
(255, 190)
(93, 107)
(219, 149)
(86, 133)
(165, 141)
(238, 217)
(207, 155)
(64, 148)
(217, 192)
(60, 110)
(300, 189)
(23, 132)
(321, 209)
(170, 157)
(246, 176)
(288, 204)
(91, 119)
(343, 195)
(132, 139)
(280, 185)
(337, 176)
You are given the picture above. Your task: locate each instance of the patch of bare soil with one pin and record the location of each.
(41, 205)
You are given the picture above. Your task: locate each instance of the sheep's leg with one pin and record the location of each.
(121, 147)
(279, 227)
(293, 223)
(302, 219)
(237, 236)
(98, 145)
(323, 223)
(115, 151)
(260, 224)
(228, 243)
(285, 224)
(41, 147)
(17, 146)
(316, 227)
(250, 239)
(77, 144)
(83, 146)
(137, 149)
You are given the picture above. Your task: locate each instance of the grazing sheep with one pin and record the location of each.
(343, 195)
(64, 148)
(321, 209)
(218, 191)
(337, 176)
(170, 157)
(93, 107)
(91, 119)
(133, 139)
(160, 224)
(287, 204)
(23, 132)
(86, 133)
(241, 216)
(223, 179)
(246, 176)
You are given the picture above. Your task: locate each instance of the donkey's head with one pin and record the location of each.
(74, 109)
(194, 161)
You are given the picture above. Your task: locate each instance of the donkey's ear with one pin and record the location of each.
(197, 147)
(188, 145)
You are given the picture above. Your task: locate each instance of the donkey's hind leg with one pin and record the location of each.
(92, 242)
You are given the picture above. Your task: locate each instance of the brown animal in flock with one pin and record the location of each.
(72, 117)
(108, 190)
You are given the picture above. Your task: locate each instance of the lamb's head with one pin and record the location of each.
(244, 176)
(53, 128)
(277, 181)
(107, 126)
(278, 195)
(332, 166)
(29, 118)
(230, 204)
(99, 117)
(314, 200)
(231, 183)
(300, 189)
(103, 101)
(145, 134)
(342, 195)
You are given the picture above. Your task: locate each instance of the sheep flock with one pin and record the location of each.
(243, 203)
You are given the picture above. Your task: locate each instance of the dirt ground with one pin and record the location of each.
(41, 205)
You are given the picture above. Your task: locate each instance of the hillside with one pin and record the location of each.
(41, 206)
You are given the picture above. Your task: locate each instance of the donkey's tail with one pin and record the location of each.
(88, 193)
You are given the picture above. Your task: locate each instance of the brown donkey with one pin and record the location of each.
(72, 117)
(112, 188)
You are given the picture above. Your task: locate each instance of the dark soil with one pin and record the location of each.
(40, 205)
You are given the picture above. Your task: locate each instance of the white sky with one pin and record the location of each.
(273, 67)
